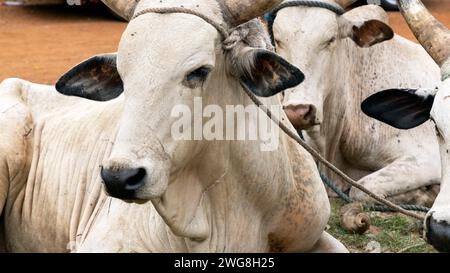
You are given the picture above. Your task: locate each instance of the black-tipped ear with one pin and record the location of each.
(94, 79)
(270, 74)
(400, 108)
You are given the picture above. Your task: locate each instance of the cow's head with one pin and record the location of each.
(314, 38)
(408, 108)
(165, 60)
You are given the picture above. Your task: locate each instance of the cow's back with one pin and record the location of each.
(398, 63)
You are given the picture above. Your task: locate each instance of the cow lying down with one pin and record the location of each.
(346, 57)
(180, 196)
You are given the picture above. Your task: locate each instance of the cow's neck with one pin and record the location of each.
(221, 183)
(358, 71)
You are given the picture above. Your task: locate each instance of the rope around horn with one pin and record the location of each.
(226, 36)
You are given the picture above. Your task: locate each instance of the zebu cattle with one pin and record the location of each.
(197, 196)
(344, 62)
(408, 108)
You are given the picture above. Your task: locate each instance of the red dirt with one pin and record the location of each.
(439, 8)
(40, 43)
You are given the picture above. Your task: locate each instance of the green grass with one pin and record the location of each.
(394, 232)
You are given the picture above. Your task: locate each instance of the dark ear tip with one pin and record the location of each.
(60, 84)
(96, 79)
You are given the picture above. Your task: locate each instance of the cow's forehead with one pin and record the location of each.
(303, 21)
(158, 42)
(206, 7)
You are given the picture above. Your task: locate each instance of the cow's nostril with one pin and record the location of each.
(135, 178)
(302, 116)
(123, 183)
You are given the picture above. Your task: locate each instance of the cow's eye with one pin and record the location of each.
(197, 77)
(329, 42)
(278, 43)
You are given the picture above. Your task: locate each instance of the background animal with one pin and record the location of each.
(345, 59)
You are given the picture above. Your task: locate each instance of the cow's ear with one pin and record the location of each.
(366, 26)
(266, 74)
(94, 79)
(400, 108)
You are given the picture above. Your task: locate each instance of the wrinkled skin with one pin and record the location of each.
(199, 197)
(339, 75)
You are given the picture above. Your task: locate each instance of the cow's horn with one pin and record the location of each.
(345, 3)
(123, 8)
(240, 11)
(353, 218)
(433, 36)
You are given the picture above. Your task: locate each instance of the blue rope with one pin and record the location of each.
(380, 208)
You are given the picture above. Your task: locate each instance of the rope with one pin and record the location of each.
(380, 208)
(226, 35)
(270, 17)
(319, 157)
(230, 37)
(445, 76)
(312, 4)
(222, 30)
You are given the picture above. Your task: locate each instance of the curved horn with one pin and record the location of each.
(123, 8)
(433, 36)
(240, 11)
(345, 3)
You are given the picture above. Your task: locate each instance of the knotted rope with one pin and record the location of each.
(230, 38)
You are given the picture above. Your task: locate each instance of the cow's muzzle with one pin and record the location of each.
(438, 234)
(302, 116)
(140, 180)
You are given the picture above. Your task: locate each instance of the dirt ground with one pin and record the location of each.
(40, 43)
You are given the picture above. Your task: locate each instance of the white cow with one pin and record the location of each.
(196, 196)
(408, 108)
(344, 62)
